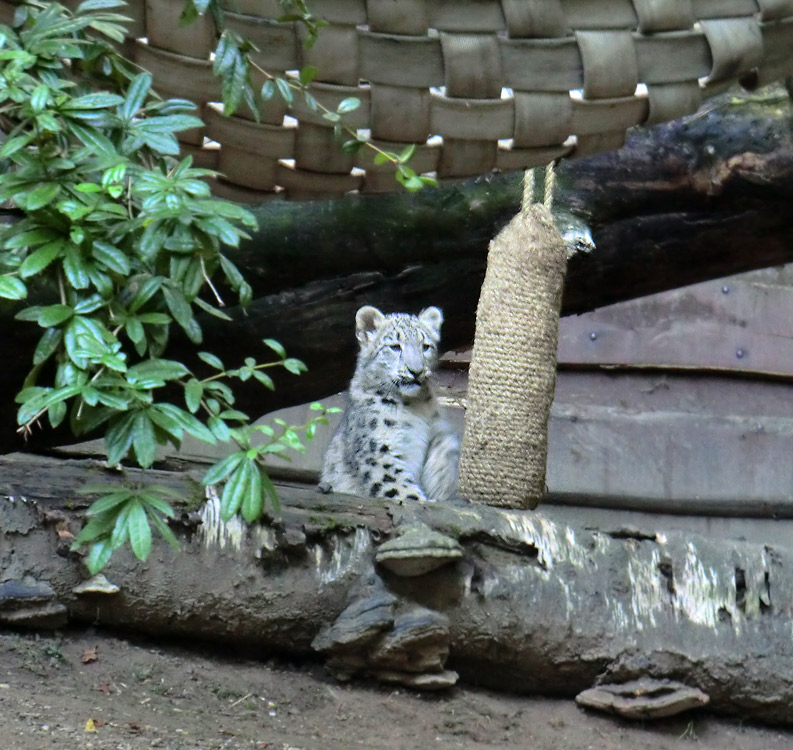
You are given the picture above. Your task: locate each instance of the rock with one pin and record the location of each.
(418, 550)
(643, 699)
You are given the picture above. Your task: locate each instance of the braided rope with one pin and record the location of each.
(513, 366)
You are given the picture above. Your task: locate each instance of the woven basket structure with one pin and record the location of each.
(480, 85)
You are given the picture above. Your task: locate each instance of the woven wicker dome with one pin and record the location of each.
(483, 85)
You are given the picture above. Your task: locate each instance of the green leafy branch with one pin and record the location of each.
(121, 245)
(233, 64)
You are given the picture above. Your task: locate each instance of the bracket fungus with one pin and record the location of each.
(418, 550)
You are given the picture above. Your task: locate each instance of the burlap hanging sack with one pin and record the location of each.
(513, 367)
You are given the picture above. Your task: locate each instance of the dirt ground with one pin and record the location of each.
(86, 689)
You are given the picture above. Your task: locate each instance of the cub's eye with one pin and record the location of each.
(427, 347)
(395, 347)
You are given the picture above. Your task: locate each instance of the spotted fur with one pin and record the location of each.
(392, 441)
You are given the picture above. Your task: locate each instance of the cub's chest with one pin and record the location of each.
(407, 433)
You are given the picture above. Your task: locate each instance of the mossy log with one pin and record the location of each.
(550, 601)
(695, 199)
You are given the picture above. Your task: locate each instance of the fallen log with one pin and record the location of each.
(700, 198)
(552, 601)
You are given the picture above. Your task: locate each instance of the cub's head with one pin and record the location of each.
(398, 351)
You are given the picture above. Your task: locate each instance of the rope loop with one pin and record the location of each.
(532, 185)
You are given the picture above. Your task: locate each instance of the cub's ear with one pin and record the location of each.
(367, 320)
(432, 317)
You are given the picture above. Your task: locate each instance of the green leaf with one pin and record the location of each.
(134, 329)
(100, 100)
(118, 438)
(43, 400)
(156, 369)
(137, 91)
(219, 471)
(12, 145)
(98, 526)
(165, 530)
(348, 105)
(284, 90)
(89, 304)
(167, 124)
(268, 90)
(193, 392)
(109, 501)
(41, 196)
(87, 5)
(352, 146)
(239, 416)
(160, 319)
(235, 278)
(147, 288)
(234, 491)
(99, 556)
(150, 496)
(211, 360)
(253, 499)
(39, 98)
(93, 139)
(219, 429)
(308, 74)
(46, 122)
(162, 143)
(48, 345)
(275, 346)
(166, 423)
(117, 403)
(291, 439)
(111, 257)
(295, 366)
(214, 311)
(264, 379)
(178, 305)
(188, 422)
(53, 315)
(139, 531)
(74, 267)
(143, 440)
(12, 288)
(120, 532)
(269, 488)
(56, 413)
(407, 153)
(31, 237)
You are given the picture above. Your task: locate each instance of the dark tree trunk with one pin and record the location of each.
(683, 202)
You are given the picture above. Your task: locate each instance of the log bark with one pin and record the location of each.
(550, 601)
(699, 198)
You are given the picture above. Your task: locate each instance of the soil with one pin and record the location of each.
(88, 689)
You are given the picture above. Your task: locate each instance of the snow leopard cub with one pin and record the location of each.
(392, 441)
